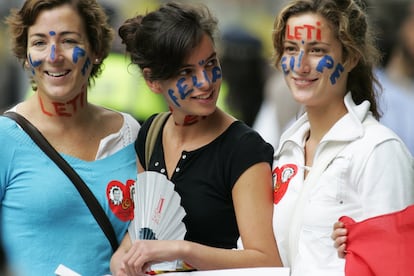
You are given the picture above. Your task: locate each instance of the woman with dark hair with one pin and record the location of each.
(336, 159)
(220, 167)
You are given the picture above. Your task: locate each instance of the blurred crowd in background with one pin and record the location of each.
(253, 91)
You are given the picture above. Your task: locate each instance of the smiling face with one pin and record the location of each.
(194, 91)
(312, 61)
(58, 53)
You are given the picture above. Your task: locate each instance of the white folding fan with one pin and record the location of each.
(158, 214)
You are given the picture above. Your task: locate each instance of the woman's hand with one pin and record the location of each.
(144, 253)
(339, 236)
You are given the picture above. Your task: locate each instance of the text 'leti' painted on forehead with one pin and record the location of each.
(304, 32)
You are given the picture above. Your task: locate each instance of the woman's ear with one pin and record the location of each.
(152, 84)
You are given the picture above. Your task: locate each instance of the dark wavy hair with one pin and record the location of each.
(98, 30)
(162, 39)
(348, 20)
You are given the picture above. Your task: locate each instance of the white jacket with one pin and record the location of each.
(360, 169)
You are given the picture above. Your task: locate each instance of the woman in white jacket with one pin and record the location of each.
(336, 159)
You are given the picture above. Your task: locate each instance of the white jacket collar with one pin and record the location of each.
(348, 128)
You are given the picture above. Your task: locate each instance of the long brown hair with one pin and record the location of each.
(348, 19)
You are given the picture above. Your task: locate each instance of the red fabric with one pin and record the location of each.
(382, 245)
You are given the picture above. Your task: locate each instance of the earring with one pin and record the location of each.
(97, 61)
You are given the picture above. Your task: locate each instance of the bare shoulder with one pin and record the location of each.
(111, 121)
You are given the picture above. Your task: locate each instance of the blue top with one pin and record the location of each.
(397, 105)
(44, 221)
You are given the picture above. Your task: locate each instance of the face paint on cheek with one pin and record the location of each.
(200, 84)
(325, 62)
(284, 65)
(195, 82)
(183, 88)
(216, 74)
(337, 73)
(328, 62)
(86, 66)
(34, 63)
(194, 78)
(292, 63)
(173, 97)
(77, 53)
(206, 76)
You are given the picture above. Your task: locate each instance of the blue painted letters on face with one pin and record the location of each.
(77, 52)
(216, 73)
(300, 58)
(325, 62)
(184, 90)
(292, 63)
(328, 62)
(183, 87)
(53, 52)
(53, 49)
(284, 66)
(336, 74)
(173, 97)
(195, 81)
(34, 64)
(86, 66)
(206, 76)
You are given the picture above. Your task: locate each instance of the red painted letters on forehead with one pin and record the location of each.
(304, 32)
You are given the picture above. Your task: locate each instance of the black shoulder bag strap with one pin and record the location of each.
(90, 200)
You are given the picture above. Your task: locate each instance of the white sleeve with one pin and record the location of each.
(387, 179)
(117, 141)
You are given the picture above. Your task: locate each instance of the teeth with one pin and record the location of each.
(58, 74)
(203, 97)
